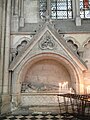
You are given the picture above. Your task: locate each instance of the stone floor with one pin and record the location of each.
(34, 117)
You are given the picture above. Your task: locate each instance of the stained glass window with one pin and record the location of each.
(43, 8)
(85, 9)
(60, 9)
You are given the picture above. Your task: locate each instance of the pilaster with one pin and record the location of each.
(1, 14)
(22, 13)
(49, 8)
(5, 97)
(16, 7)
(0, 52)
(7, 50)
(78, 19)
(15, 16)
(73, 8)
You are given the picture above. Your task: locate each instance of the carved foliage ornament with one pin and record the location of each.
(47, 43)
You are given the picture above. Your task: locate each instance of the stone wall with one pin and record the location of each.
(0, 37)
(29, 6)
(25, 24)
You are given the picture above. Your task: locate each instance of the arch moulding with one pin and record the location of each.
(74, 74)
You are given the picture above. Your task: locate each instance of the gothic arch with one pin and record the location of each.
(73, 39)
(19, 42)
(73, 44)
(71, 69)
(17, 48)
(86, 42)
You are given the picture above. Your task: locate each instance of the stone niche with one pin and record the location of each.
(41, 83)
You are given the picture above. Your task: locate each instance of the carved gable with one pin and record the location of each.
(47, 40)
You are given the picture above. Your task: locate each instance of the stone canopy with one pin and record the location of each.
(47, 39)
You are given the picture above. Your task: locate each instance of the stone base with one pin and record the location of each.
(78, 21)
(47, 109)
(21, 22)
(35, 103)
(5, 105)
(40, 100)
(36, 109)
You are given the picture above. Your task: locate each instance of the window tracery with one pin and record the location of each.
(85, 9)
(59, 9)
(43, 8)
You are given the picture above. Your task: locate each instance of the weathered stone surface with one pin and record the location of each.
(34, 52)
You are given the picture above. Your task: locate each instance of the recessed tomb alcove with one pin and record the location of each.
(40, 83)
(45, 76)
(47, 67)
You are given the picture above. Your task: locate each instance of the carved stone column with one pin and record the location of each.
(73, 8)
(1, 56)
(7, 47)
(15, 16)
(78, 19)
(49, 8)
(16, 7)
(2, 8)
(6, 86)
(13, 7)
